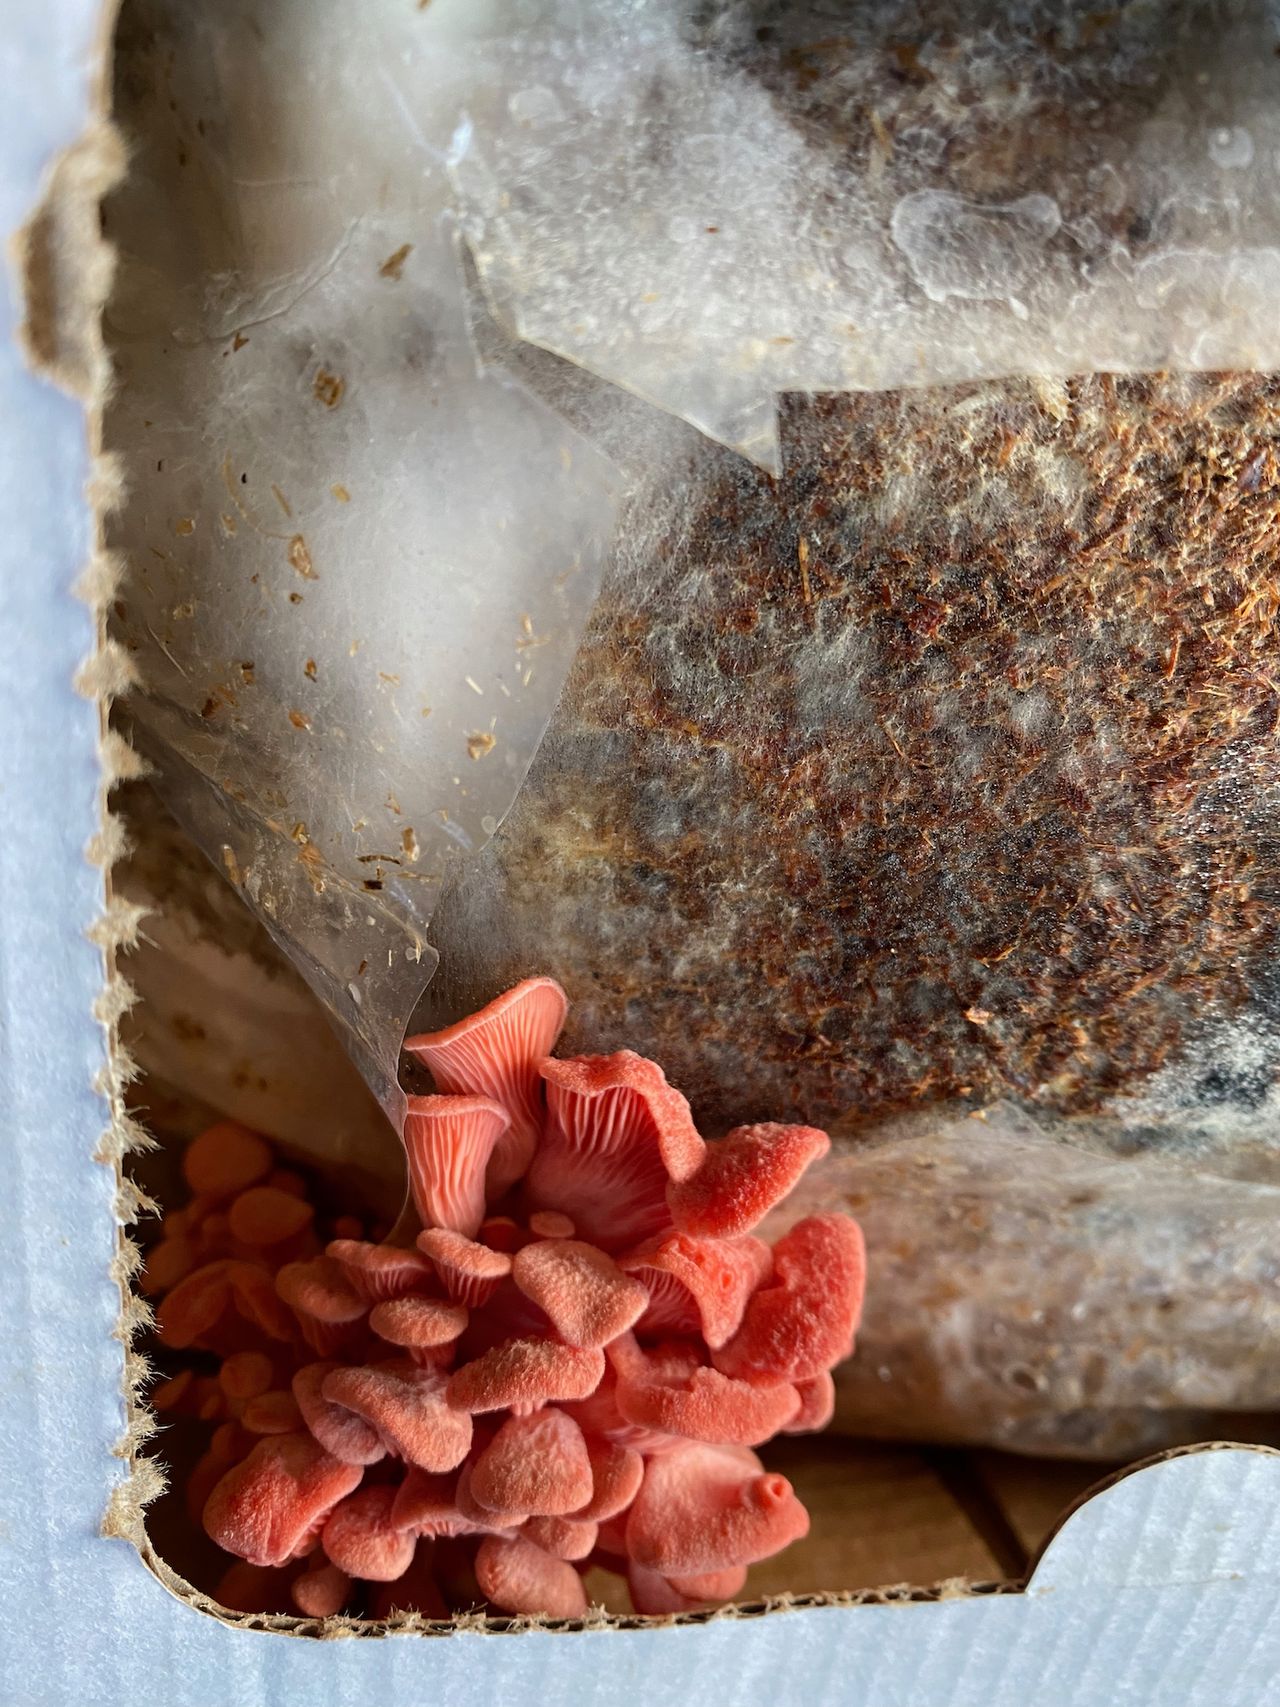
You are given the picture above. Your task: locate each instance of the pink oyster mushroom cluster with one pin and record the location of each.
(569, 1367)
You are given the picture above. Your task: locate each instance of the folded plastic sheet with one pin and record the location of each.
(936, 769)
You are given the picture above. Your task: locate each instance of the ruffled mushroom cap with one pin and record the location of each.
(265, 1215)
(710, 1508)
(406, 1408)
(225, 1159)
(616, 1475)
(378, 1272)
(535, 1466)
(698, 1286)
(360, 1538)
(469, 1271)
(495, 1053)
(805, 1322)
(270, 1508)
(817, 1405)
(519, 1577)
(426, 1327)
(617, 1133)
(673, 1393)
(586, 1296)
(657, 1596)
(203, 1309)
(327, 1307)
(276, 1412)
(448, 1141)
(523, 1372)
(742, 1177)
(339, 1430)
(321, 1592)
(426, 1505)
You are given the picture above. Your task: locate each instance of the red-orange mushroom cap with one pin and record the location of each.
(426, 1505)
(378, 1272)
(405, 1406)
(586, 1296)
(339, 1430)
(519, 1577)
(817, 1405)
(425, 1327)
(551, 1224)
(245, 1374)
(225, 1159)
(360, 1538)
(535, 1466)
(265, 1215)
(805, 1322)
(276, 1412)
(570, 1538)
(654, 1595)
(742, 1177)
(616, 1475)
(322, 1592)
(199, 1307)
(698, 1285)
(448, 1141)
(617, 1133)
(495, 1053)
(709, 1508)
(668, 1389)
(525, 1372)
(326, 1305)
(270, 1508)
(469, 1272)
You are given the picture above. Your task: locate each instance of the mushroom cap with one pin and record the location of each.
(265, 1215)
(245, 1374)
(616, 1475)
(269, 1508)
(480, 1520)
(586, 1296)
(698, 1285)
(448, 1141)
(570, 1538)
(360, 1539)
(617, 1133)
(405, 1406)
(535, 1466)
(378, 1272)
(519, 1577)
(418, 1323)
(340, 1431)
(469, 1271)
(426, 1505)
(805, 1322)
(710, 1508)
(319, 1289)
(525, 1372)
(703, 1404)
(551, 1224)
(276, 1412)
(167, 1262)
(600, 1419)
(201, 1308)
(253, 1293)
(224, 1159)
(415, 1591)
(654, 1595)
(817, 1405)
(321, 1592)
(495, 1053)
(253, 1588)
(742, 1177)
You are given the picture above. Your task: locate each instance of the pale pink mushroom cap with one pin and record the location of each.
(525, 1372)
(617, 1133)
(495, 1053)
(804, 1323)
(469, 1271)
(519, 1577)
(378, 1272)
(270, 1508)
(448, 1141)
(426, 1327)
(339, 1430)
(586, 1296)
(710, 1508)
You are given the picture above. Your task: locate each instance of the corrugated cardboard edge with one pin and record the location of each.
(65, 270)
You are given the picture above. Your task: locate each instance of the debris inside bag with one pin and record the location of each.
(482, 1414)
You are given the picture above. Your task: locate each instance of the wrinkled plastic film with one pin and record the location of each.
(768, 198)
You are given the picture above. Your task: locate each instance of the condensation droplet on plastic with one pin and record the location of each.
(1231, 147)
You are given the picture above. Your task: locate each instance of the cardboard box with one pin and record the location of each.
(1159, 1588)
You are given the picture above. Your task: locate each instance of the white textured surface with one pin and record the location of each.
(1161, 1592)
